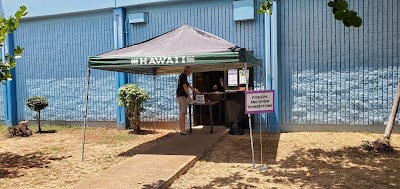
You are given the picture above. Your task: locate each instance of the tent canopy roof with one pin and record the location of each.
(171, 52)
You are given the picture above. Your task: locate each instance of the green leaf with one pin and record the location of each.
(22, 8)
(9, 25)
(265, 7)
(18, 50)
(332, 4)
(346, 23)
(334, 10)
(341, 15)
(352, 13)
(357, 22)
(16, 24)
(342, 5)
(12, 64)
(18, 14)
(7, 75)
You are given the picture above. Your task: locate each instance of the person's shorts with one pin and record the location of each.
(182, 103)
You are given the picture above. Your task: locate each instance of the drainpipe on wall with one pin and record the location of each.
(271, 62)
(275, 67)
(119, 19)
(10, 92)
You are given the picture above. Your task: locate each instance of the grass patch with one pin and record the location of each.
(120, 137)
(52, 149)
(54, 160)
(116, 138)
(3, 129)
(45, 128)
(55, 127)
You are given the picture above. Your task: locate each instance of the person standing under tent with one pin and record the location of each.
(219, 86)
(183, 97)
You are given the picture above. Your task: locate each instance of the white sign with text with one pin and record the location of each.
(200, 99)
(242, 76)
(232, 78)
(259, 102)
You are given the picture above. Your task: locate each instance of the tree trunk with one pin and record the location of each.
(392, 117)
(38, 121)
(136, 126)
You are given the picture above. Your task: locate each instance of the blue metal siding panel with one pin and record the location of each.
(217, 20)
(2, 109)
(2, 94)
(337, 75)
(54, 66)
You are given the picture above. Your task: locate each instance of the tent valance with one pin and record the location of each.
(171, 52)
(158, 65)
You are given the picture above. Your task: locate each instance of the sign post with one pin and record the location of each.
(258, 102)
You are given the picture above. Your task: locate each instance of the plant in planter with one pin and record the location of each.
(37, 104)
(132, 97)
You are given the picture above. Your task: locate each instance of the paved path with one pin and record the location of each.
(158, 166)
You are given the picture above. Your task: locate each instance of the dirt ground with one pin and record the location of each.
(293, 160)
(296, 160)
(53, 160)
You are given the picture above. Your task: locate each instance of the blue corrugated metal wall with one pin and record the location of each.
(337, 75)
(2, 113)
(54, 65)
(215, 17)
(2, 100)
(329, 74)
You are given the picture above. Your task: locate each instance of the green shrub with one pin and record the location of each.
(133, 98)
(37, 104)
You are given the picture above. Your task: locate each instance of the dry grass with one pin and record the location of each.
(53, 160)
(296, 160)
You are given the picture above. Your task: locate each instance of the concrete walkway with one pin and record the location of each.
(158, 166)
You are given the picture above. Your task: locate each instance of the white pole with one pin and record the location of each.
(154, 102)
(261, 145)
(85, 115)
(249, 116)
(262, 167)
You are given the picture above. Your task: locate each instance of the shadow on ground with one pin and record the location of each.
(144, 132)
(344, 168)
(153, 185)
(177, 144)
(46, 132)
(233, 180)
(316, 168)
(141, 148)
(12, 164)
(239, 149)
(347, 167)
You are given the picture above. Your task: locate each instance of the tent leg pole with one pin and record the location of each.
(85, 115)
(261, 147)
(154, 102)
(249, 116)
